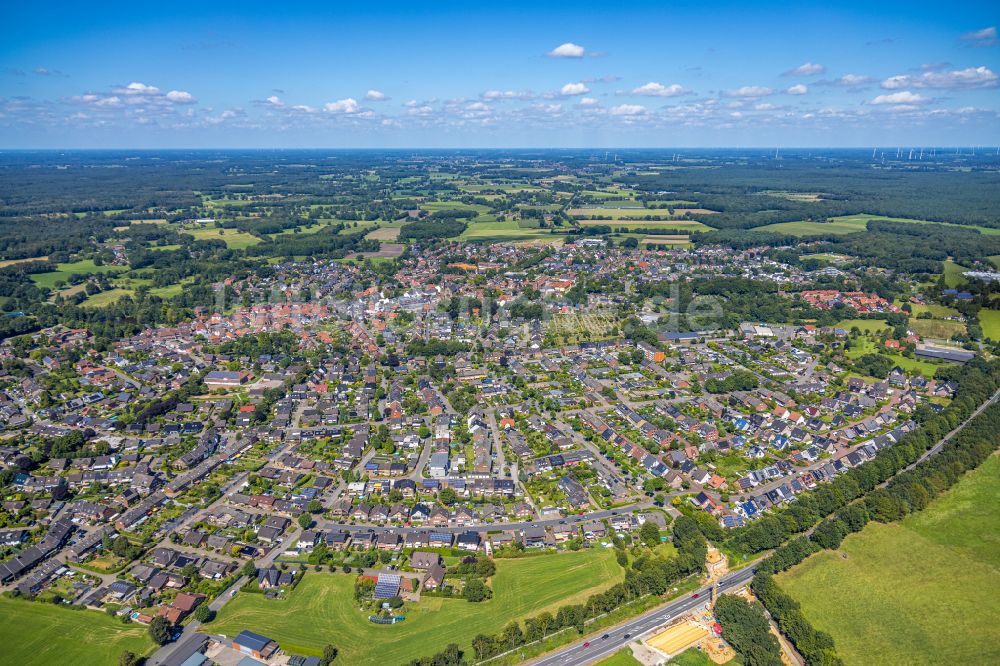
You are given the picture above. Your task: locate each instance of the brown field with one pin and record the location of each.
(14, 262)
(383, 234)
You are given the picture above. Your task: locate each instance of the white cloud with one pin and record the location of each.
(375, 96)
(587, 101)
(853, 80)
(654, 89)
(567, 50)
(136, 88)
(628, 110)
(507, 94)
(959, 79)
(749, 91)
(349, 105)
(274, 100)
(984, 37)
(806, 69)
(798, 89)
(901, 97)
(574, 89)
(108, 101)
(181, 97)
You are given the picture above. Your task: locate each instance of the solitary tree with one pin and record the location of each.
(159, 630)
(329, 655)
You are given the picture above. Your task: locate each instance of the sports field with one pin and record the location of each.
(322, 610)
(923, 591)
(42, 634)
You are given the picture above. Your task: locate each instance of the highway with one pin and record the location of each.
(577, 655)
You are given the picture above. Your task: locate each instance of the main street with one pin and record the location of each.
(589, 650)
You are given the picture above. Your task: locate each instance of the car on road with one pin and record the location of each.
(605, 637)
(627, 636)
(587, 644)
(694, 596)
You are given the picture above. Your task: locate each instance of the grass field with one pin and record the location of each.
(106, 298)
(805, 228)
(695, 657)
(936, 328)
(42, 634)
(863, 345)
(322, 610)
(923, 591)
(234, 239)
(621, 658)
(990, 322)
(953, 273)
(865, 325)
(849, 224)
(63, 271)
(934, 309)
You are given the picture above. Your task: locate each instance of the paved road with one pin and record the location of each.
(577, 655)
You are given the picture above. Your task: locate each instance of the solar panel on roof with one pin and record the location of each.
(387, 586)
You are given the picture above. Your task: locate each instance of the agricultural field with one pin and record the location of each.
(639, 225)
(631, 213)
(38, 634)
(572, 327)
(922, 591)
(14, 262)
(322, 609)
(506, 231)
(234, 238)
(63, 271)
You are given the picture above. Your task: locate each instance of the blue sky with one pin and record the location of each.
(509, 74)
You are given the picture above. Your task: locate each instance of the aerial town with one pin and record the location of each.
(490, 334)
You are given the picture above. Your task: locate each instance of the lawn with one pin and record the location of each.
(989, 320)
(322, 610)
(43, 634)
(234, 239)
(922, 591)
(63, 271)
